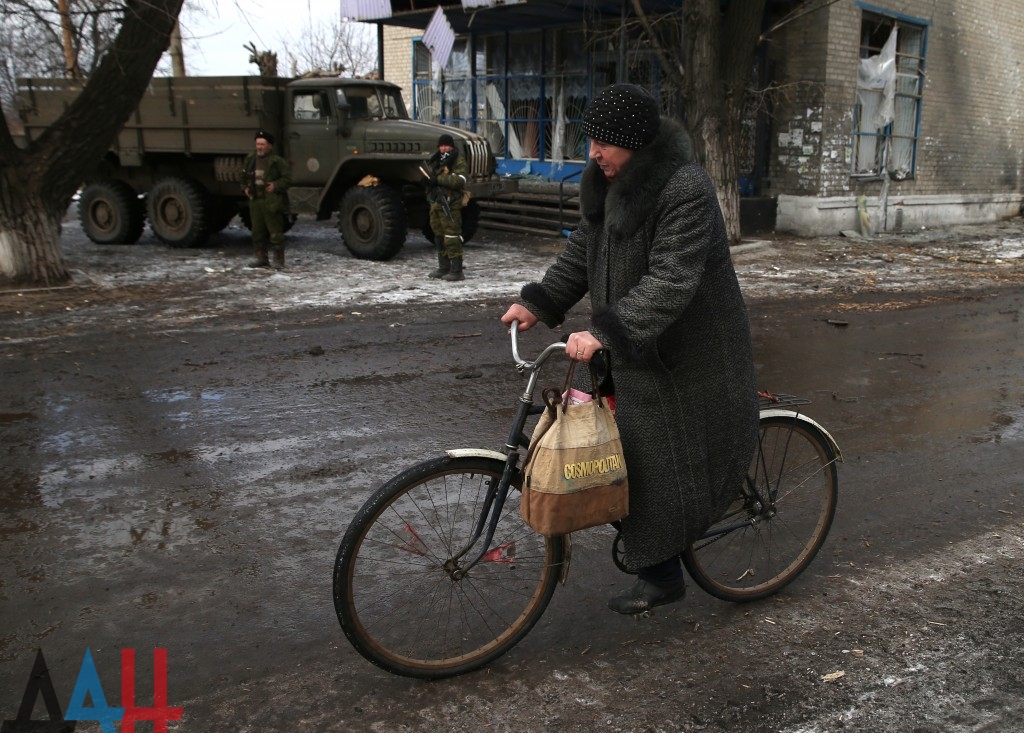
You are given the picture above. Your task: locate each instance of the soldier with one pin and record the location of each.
(265, 181)
(446, 178)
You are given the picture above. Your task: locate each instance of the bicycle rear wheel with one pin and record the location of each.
(397, 591)
(777, 524)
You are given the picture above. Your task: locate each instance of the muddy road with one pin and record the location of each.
(180, 461)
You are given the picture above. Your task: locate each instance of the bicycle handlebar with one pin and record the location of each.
(525, 364)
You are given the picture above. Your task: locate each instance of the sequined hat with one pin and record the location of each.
(624, 115)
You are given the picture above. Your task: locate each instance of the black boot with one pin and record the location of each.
(261, 259)
(456, 273)
(279, 259)
(444, 266)
(645, 595)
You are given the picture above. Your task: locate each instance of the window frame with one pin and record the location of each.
(903, 132)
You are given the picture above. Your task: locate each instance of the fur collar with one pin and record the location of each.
(627, 202)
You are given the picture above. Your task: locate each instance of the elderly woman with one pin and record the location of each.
(669, 319)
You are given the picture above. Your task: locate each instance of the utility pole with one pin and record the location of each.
(177, 51)
(71, 70)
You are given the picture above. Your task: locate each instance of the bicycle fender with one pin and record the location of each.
(475, 453)
(803, 418)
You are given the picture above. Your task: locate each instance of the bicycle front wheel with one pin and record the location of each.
(400, 595)
(777, 524)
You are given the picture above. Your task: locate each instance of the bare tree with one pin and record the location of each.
(708, 81)
(266, 61)
(719, 59)
(711, 78)
(59, 37)
(38, 181)
(51, 38)
(334, 48)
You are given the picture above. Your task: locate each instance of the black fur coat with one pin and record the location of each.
(653, 253)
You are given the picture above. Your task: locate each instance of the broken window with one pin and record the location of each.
(524, 93)
(887, 112)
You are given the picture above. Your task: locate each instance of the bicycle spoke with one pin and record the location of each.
(774, 529)
(404, 601)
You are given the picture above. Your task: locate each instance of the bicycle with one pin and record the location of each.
(438, 575)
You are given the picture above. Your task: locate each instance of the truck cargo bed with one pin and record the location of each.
(191, 115)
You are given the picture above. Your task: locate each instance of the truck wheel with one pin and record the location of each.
(372, 222)
(111, 213)
(177, 212)
(470, 223)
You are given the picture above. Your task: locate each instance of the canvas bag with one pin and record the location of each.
(574, 476)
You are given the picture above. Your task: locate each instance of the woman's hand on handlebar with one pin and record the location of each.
(519, 313)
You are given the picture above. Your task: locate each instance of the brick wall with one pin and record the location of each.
(398, 59)
(796, 54)
(972, 126)
(972, 120)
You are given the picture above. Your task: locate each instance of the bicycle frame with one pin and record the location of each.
(494, 502)
(497, 494)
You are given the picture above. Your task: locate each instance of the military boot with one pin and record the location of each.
(455, 274)
(261, 259)
(444, 266)
(279, 259)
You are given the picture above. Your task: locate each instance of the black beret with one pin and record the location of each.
(265, 135)
(445, 139)
(624, 115)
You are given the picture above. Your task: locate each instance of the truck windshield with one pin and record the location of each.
(373, 103)
(394, 107)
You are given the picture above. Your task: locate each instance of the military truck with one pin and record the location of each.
(353, 149)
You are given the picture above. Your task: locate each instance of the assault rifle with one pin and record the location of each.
(439, 195)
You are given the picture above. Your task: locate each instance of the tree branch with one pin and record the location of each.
(84, 132)
(675, 70)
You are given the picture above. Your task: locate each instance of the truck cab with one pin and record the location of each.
(344, 136)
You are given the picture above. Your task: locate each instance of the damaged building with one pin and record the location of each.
(880, 116)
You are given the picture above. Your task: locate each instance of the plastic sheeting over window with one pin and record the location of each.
(888, 104)
(876, 85)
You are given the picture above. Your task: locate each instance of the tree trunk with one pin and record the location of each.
(38, 181)
(719, 59)
(704, 106)
(29, 235)
(741, 30)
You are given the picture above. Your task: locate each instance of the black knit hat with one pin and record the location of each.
(265, 135)
(624, 115)
(445, 139)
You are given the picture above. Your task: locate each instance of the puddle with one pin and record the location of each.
(179, 395)
(1006, 427)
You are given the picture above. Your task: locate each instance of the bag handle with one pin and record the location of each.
(552, 398)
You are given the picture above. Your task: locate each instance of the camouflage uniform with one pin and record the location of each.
(449, 171)
(267, 210)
